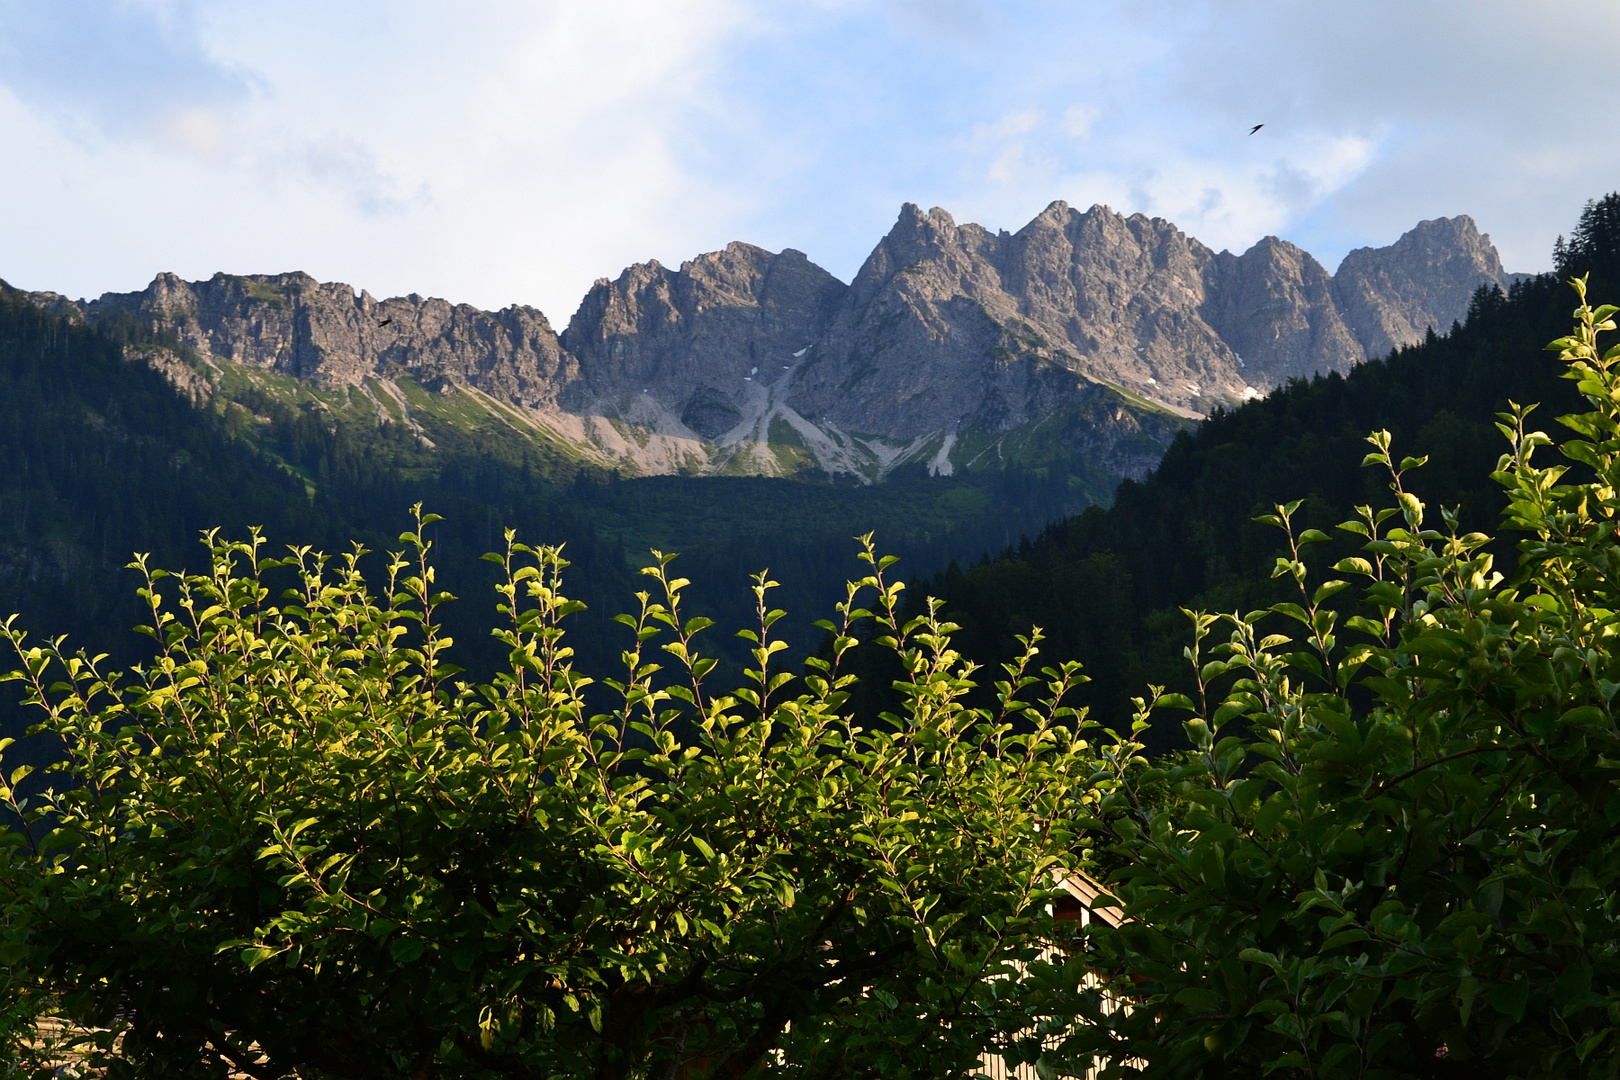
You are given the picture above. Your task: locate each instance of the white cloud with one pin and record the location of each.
(499, 152)
(196, 131)
(128, 68)
(505, 151)
(1077, 120)
(1007, 127)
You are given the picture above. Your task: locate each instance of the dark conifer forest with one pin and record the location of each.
(106, 459)
(1107, 585)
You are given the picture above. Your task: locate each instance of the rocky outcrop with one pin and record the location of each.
(949, 325)
(955, 326)
(954, 345)
(692, 339)
(1392, 296)
(331, 336)
(1274, 307)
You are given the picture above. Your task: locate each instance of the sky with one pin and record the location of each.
(513, 151)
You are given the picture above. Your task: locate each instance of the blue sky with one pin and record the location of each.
(497, 151)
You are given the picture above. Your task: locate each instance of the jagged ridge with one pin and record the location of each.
(1086, 333)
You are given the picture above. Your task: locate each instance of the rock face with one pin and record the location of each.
(691, 338)
(954, 326)
(949, 324)
(327, 335)
(1273, 305)
(953, 346)
(1391, 296)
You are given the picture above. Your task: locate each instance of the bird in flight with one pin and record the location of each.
(386, 321)
(1256, 128)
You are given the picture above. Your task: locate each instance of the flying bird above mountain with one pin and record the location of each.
(386, 321)
(1256, 128)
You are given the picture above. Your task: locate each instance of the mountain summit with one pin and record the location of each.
(1085, 332)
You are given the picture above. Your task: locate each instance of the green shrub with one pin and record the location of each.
(1396, 852)
(296, 844)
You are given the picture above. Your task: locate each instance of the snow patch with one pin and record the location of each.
(940, 463)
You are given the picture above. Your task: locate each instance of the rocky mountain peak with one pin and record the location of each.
(1087, 330)
(1273, 305)
(1392, 295)
(327, 334)
(691, 340)
(915, 238)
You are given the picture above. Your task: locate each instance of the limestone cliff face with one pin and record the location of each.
(1085, 332)
(1273, 306)
(328, 335)
(954, 325)
(1122, 294)
(920, 341)
(1391, 296)
(949, 325)
(692, 339)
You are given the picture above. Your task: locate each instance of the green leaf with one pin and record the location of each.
(1258, 956)
(1199, 999)
(256, 955)
(1328, 589)
(1509, 999)
(404, 950)
(1350, 936)
(1586, 716)
(1591, 1043)
(1293, 611)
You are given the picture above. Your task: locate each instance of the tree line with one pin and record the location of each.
(1106, 585)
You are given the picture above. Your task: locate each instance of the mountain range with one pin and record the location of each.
(1086, 334)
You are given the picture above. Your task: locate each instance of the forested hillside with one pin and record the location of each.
(1106, 585)
(106, 459)
(109, 460)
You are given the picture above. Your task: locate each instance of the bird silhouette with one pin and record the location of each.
(386, 321)
(1256, 128)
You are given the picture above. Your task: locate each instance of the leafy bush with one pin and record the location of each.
(295, 843)
(1396, 852)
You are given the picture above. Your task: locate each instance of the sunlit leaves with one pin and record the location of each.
(348, 857)
(1413, 874)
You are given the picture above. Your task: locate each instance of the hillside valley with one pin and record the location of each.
(660, 418)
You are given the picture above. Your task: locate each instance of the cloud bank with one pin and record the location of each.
(501, 151)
